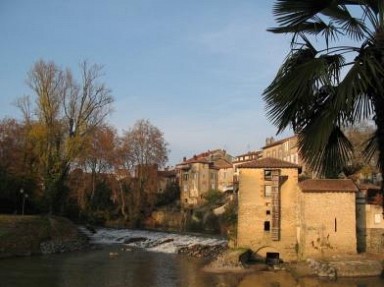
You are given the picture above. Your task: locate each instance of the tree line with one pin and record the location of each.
(68, 160)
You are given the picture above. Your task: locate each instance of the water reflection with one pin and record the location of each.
(101, 269)
(284, 279)
(113, 267)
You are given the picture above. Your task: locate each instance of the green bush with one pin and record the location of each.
(213, 197)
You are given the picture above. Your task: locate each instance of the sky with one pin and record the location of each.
(195, 69)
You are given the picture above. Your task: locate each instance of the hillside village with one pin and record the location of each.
(284, 211)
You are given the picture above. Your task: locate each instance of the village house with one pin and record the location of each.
(286, 149)
(280, 218)
(211, 170)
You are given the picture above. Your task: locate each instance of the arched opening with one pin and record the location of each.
(268, 254)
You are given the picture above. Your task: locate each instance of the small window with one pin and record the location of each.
(267, 226)
(267, 174)
(335, 224)
(268, 212)
(267, 191)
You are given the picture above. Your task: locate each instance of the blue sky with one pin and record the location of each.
(195, 69)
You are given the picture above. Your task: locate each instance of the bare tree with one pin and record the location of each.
(144, 144)
(144, 150)
(66, 112)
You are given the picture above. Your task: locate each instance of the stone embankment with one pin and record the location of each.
(346, 267)
(230, 260)
(338, 266)
(202, 251)
(77, 242)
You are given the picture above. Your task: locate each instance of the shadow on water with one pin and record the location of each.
(112, 266)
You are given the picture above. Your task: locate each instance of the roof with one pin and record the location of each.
(268, 162)
(277, 142)
(222, 163)
(319, 185)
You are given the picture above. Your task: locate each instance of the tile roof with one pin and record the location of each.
(222, 163)
(268, 162)
(328, 185)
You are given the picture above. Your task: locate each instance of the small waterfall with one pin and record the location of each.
(151, 240)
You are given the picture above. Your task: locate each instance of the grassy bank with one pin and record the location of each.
(22, 235)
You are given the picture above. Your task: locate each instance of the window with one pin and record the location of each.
(268, 212)
(267, 191)
(267, 226)
(186, 176)
(267, 174)
(335, 224)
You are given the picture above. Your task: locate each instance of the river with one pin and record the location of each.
(114, 264)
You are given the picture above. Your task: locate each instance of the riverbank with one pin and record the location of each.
(346, 266)
(35, 235)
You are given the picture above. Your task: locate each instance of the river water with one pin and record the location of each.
(114, 264)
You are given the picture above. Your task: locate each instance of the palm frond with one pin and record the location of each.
(311, 27)
(371, 148)
(326, 151)
(353, 27)
(295, 12)
(299, 91)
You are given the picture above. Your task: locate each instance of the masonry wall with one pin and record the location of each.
(370, 229)
(252, 214)
(328, 224)
(225, 178)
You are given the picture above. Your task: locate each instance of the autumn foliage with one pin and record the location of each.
(68, 160)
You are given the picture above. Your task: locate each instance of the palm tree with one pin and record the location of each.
(318, 91)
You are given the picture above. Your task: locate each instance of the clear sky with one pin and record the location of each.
(196, 69)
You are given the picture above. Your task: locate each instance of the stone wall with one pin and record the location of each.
(255, 210)
(370, 228)
(375, 240)
(328, 224)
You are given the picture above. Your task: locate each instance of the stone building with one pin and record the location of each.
(224, 175)
(280, 218)
(267, 208)
(287, 149)
(242, 159)
(211, 170)
(327, 217)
